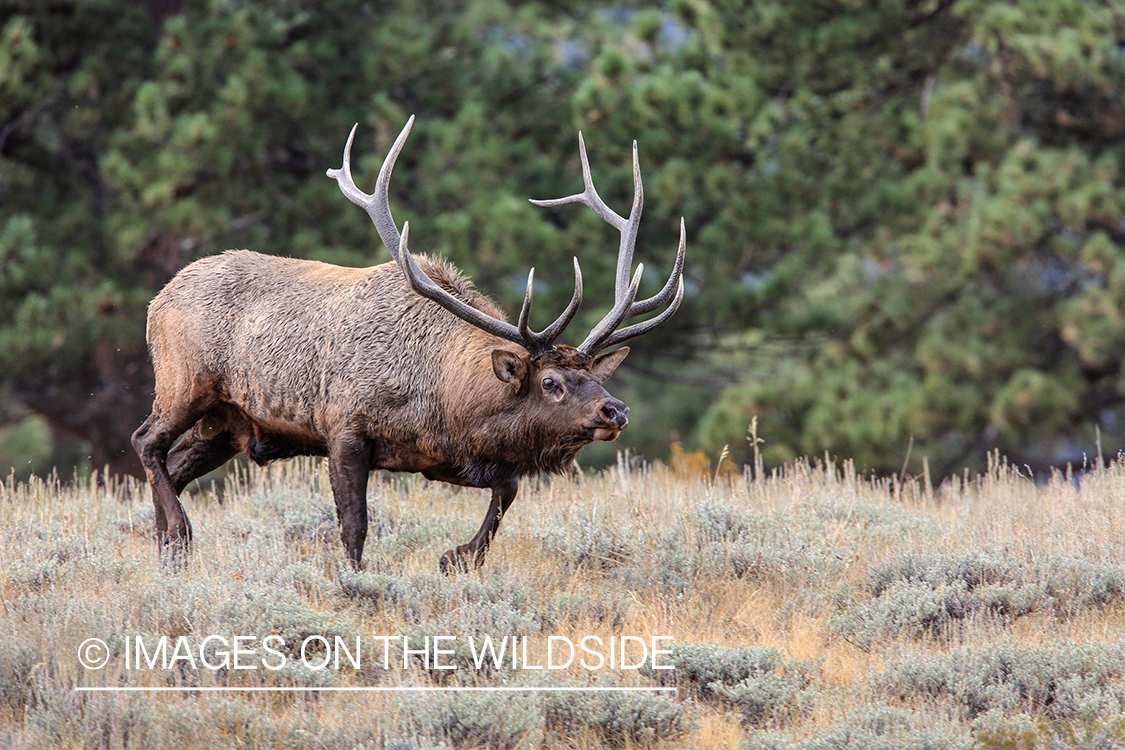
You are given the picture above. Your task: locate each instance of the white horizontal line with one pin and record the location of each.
(291, 689)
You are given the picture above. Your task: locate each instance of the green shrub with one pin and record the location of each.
(784, 549)
(120, 572)
(311, 523)
(587, 546)
(888, 520)
(304, 578)
(867, 728)
(237, 721)
(973, 571)
(286, 614)
(1075, 585)
(416, 597)
(1066, 682)
(771, 698)
(31, 576)
(390, 540)
(380, 589)
(610, 610)
(783, 566)
(717, 522)
(618, 718)
(934, 595)
(493, 720)
(428, 597)
(927, 608)
(67, 718)
(697, 668)
(755, 681)
(468, 625)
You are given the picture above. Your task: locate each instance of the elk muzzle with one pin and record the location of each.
(611, 420)
(614, 411)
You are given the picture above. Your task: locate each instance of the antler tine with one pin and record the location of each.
(647, 325)
(525, 311)
(629, 233)
(347, 185)
(588, 197)
(637, 329)
(545, 339)
(551, 332)
(603, 330)
(377, 204)
(664, 295)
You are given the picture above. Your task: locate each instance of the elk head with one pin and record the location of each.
(557, 377)
(564, 387)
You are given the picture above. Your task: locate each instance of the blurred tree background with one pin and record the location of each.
(906, 218)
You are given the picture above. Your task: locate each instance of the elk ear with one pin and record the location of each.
(509, 367)
(604, 365)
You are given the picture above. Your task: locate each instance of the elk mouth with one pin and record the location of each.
(608, 434)
(607, 431)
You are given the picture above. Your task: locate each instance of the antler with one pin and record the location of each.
(605, 333)
(378, 208)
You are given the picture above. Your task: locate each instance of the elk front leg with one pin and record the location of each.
(460, 558)
(349, 464)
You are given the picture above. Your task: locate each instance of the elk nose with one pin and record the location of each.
(615, 411)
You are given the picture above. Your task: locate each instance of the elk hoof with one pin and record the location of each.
(453, 562)
(173, 554)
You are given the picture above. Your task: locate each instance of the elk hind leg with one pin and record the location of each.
(471, 554)
(215, 439)
(152, 441)
(195, 456)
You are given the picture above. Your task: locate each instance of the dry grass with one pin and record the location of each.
(876, 611)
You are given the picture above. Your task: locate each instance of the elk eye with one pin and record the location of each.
(550, 385)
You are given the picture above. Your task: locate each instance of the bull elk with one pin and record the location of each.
(403, 367)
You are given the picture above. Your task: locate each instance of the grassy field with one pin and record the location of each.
(812, 608)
